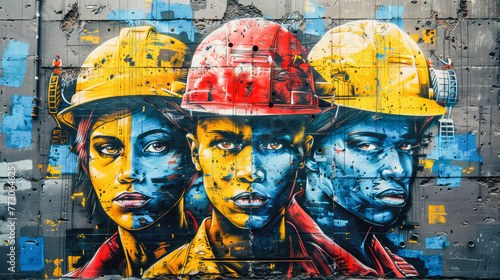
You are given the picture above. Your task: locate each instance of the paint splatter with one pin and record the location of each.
(14, 64)
(31, 253)
(173, 16)
(18, 125)
(314, 22)
(438, 242)
(392, 14)
(432, 263)
(462, 149)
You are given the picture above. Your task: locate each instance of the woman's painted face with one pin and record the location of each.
(370, 165)
(136, 166)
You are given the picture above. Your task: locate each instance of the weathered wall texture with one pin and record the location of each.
(380, 190)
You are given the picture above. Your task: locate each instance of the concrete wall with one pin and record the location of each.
(449, 225)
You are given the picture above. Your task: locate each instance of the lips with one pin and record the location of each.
(250, 200)
(131, 199)
(393, 198)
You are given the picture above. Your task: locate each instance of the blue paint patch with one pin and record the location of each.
(314, 22)
(396, 239)
(172, 17)
(433, 263)
(17, 126)
(438, 242)
(132, 17)
(31, 256)
(14, 63)
(447, 174)
(60, 155)
(392, 14)
(462, 149)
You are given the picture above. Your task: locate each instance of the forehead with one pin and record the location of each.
(134, 122)
(251, 125)
(390, 125)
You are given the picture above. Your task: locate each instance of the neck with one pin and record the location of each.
(138, 247)
(223, 235)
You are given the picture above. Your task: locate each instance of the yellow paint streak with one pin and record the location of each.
(92, 39)
(436, 214)
(90, 32)
(413, 241)
(58, 270)
(71, 261)
(83, 202)
(76, 194)
(428, 163)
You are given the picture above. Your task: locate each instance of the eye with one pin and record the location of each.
(367, 147)
(155, 147)
(110, 150)
(406, 147)
(272, 146)
(226, 145)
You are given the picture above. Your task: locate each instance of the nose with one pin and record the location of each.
(393, 168)
(128, 173)
(249, 169)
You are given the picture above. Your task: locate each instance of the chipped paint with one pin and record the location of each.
(14, 64)
(17, 126)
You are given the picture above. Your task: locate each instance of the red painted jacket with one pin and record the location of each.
(109, 258)
(320, 246)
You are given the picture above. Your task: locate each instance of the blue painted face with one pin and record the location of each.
(249, 168)
(369, 165)
(136, 166)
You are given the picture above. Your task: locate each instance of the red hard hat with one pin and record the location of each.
(250, 67)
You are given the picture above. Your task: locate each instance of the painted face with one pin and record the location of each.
(136, 167)
(249, 167)
(370, 165)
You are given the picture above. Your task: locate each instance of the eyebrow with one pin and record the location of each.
(410, 135)
(107, 139)
(379, 136)
(228, 135)
(154, 131)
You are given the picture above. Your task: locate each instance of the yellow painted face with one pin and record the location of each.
(249, 165)
(136, 167)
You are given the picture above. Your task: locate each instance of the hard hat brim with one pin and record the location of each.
(248, 111)
(71, 115)
(403, 105)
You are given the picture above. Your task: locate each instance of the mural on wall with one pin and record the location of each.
(256, 146)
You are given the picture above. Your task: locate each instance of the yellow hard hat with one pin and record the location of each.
(373, 66)
(139, 62)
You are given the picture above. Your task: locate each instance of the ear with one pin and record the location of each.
(307, 148)
(193, 145)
